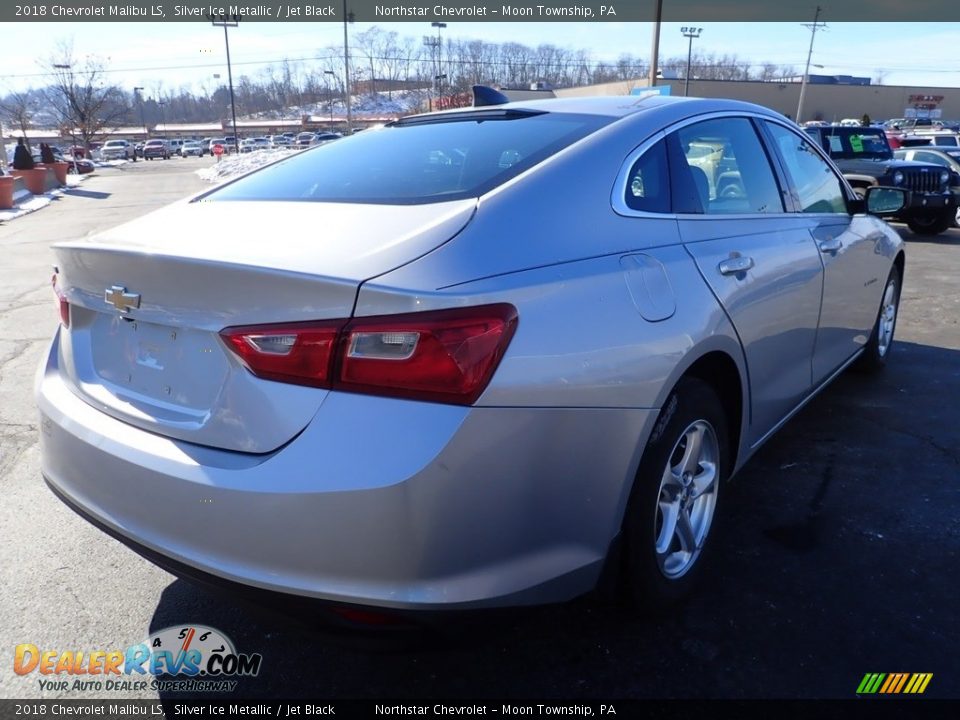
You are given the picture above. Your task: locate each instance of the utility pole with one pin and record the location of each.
(229, 23)
(438, 74)
(655, 48)
(347, 18)
(806, 72)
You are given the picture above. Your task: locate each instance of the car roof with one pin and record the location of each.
(621, 105)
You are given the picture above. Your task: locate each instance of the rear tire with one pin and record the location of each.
(674, 501)
(877, 350)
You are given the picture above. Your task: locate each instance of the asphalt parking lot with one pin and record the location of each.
(839, 539)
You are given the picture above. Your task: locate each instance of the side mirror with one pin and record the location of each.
(882, 201)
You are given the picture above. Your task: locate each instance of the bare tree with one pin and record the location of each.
(81, 99)
(16, 108)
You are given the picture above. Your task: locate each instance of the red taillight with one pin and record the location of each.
(62, 300)
(300, 353)
(441, 356)
(444, 356)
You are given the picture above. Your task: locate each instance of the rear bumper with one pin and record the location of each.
(378, 502)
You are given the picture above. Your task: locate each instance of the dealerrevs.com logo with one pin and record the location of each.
(181, 658)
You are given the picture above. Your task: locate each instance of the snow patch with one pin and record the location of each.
(231, 166)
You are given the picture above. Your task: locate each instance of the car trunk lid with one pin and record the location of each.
(149, 298)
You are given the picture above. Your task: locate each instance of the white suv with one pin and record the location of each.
(116, 150)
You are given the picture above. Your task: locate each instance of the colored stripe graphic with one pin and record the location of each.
(920, 683)
(862, 687)
(894, 683)
(903, 679)
(892, 679)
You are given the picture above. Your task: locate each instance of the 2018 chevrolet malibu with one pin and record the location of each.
(454, 362)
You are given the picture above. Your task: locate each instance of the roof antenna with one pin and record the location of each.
(484, 96)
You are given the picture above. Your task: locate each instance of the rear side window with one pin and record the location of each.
(419, 162)
(648, 185)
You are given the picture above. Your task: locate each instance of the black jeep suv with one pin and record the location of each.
(865, 159)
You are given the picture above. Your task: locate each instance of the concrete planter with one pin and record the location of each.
(34, 179)
(50, 181)
(60, 168)
(6, 192)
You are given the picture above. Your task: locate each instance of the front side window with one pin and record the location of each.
(818, 188)
(724, 168)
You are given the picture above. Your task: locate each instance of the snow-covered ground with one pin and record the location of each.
(381, 104)
(35, 202)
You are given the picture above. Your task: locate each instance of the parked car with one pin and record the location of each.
(326, 137)
(494, 379)
(218, 141)
(866, 159)
(248, 145)
(304, 139)
(191, 147)
(937, 156)
(156, 148)
(174, 144)
(937, 138)
(116, 150)
(78, 166)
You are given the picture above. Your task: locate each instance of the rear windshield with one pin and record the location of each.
(420, 162)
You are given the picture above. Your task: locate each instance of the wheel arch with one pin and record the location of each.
(720, 363)
(718, 369)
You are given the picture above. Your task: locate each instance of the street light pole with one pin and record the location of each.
(806, 73)
(691, 33)
(329, 95)
(233, 105)
(439, 76)
(138, 91)
(160, 104)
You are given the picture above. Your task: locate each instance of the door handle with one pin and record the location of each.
(734, 265)
(830, 245)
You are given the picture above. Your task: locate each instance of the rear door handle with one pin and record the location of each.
(734, 265)
(830, 245)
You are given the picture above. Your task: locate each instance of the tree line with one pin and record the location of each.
(80, 94)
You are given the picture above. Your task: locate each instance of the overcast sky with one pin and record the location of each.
(177, 54)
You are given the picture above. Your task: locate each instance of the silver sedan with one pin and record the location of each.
(468, 359)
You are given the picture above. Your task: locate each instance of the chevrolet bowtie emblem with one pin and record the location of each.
(120, 298)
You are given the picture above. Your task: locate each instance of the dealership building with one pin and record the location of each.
(828, 97)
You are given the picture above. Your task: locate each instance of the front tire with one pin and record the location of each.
(932, 224)
(674, 501)
(877, 350)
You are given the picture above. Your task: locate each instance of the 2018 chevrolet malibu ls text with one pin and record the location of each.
(456, 361)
